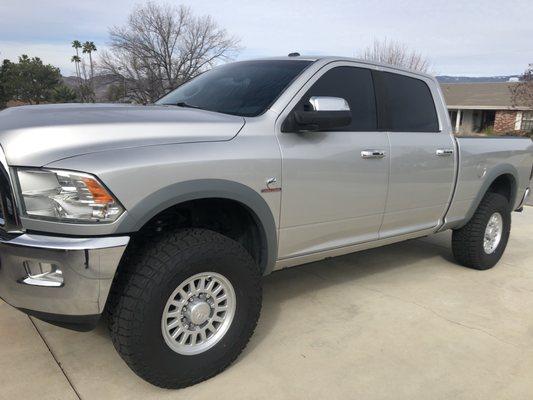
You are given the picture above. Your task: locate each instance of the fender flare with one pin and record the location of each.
(492, 175)
(182, 192)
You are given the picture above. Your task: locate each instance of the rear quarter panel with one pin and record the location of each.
(481, 161)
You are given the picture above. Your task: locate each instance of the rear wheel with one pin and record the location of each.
(481, 242)
(185, 308)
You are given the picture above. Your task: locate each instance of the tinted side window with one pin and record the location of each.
(405, 103)
(356, 87)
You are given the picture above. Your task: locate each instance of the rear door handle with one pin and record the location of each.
(373, 154)
(444, 152)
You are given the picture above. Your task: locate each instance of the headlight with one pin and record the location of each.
(66, 196)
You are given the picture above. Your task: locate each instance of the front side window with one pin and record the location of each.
(405, 104)
(352, 84)
(244, 88)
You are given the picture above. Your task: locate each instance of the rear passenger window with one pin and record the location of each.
(405, 104)
(356, 87)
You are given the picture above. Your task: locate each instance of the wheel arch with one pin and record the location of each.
(502, 179)
(183, 192)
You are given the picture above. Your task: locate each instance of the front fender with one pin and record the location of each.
(181, 192)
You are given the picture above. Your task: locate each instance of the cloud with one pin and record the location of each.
(478, 37)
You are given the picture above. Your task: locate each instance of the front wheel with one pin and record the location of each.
(185, 307)
(481, 242)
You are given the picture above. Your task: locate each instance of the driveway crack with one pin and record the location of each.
(474, 328)
(55, 358)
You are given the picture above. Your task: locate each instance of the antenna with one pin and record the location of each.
(294, 54)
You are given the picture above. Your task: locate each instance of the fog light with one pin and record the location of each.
(42, 274)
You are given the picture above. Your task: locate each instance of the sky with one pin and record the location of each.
(459, 37)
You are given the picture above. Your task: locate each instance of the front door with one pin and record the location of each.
(332, 196)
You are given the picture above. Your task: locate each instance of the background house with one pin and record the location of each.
(485, 107)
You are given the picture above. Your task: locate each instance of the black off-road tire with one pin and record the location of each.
(145, 283)
(467, 242)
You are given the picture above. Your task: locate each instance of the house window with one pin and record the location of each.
(527, 121)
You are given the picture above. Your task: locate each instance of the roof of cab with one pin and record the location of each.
(328, 59)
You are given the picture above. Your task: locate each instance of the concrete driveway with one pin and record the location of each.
(400, 322)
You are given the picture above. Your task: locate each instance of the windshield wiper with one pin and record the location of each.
(187, 105)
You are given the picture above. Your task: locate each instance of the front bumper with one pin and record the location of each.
(87, 268)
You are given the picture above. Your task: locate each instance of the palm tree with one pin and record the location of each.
(88, 48)
(76, 44)
(76, 60)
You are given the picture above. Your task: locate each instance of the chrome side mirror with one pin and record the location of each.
(322, 113)
(325, 103)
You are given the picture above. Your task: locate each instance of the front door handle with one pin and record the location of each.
(444, 152)
(373, 154)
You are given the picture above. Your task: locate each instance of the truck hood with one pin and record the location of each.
(38, 135)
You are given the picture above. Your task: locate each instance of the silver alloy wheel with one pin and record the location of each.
(493, 233)
(198, 313)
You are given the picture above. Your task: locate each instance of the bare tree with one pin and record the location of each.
(522, 92)
(395, 53)
(162, 46)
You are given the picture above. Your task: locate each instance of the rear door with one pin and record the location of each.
(422, 153)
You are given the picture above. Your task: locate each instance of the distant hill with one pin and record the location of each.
(101, 84)
(475, 79)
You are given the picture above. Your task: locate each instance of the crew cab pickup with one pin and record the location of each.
(165, 217)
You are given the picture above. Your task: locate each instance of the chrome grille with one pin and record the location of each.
(9, 220)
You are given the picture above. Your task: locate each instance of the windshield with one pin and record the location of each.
(244, 88)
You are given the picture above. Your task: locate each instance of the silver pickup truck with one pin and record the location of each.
(164, 217)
